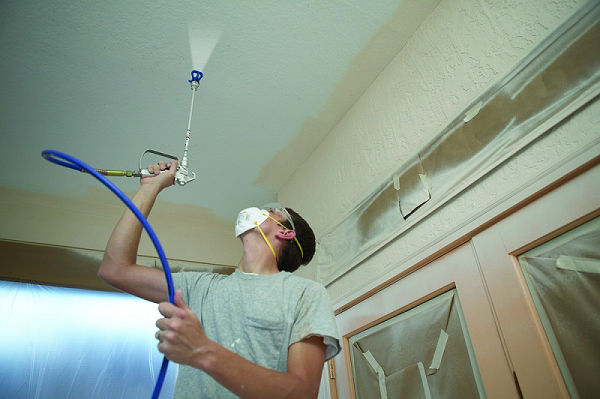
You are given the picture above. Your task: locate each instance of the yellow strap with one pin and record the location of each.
(299, 246)
(295, 239)
(265, 238)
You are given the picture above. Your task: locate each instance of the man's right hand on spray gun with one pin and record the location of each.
(163, 174)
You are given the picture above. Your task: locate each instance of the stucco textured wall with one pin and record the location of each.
(461, 50)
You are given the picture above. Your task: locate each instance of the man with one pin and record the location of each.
(258, 333)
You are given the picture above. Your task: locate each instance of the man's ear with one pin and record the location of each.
(286, 234)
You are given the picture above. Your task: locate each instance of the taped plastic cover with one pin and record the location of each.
(71, 343)
(390, 357)
(567, 300)
(560, 76)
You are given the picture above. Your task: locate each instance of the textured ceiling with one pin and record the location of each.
(105, 80)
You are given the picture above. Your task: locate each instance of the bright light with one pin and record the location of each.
(73, 343)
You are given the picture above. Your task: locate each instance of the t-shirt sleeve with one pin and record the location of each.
(191, 283)
(315, 318)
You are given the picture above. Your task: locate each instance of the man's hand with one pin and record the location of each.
(161, 180)
(182, 339)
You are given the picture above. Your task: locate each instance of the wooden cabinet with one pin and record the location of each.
(511, 354)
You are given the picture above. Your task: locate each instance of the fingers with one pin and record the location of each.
(167, 309)
(179, 309)
(175, 316)
(179, 302)
(166, 328)
(157, 176)
(155, 169)
(162, 324)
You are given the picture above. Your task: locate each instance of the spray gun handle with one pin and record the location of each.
(182, 175)
(144, 172)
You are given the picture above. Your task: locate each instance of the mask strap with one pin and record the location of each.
(295, 239)
(300, 247)
(265, 238)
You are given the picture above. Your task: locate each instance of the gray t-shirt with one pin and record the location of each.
(256, 316)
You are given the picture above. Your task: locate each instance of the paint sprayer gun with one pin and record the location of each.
(182, 175)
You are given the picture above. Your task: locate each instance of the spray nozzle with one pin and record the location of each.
(195, 81)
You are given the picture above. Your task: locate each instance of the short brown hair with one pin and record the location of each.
(290, 257)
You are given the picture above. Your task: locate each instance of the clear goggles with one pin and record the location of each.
(277, 208)
(280, 210)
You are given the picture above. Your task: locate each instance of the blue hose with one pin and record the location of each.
(76, 164)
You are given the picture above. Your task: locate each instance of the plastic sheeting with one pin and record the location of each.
(71, 343)
(422, 353)
(563, 276)
(559, 77)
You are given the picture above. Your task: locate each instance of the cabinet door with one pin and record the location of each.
(541, 268)
(424, 352)
(427, 302)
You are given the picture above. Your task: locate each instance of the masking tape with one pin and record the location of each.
(426, 181)
(439, 352)
(396, 182)
(371, 359)
(380, 373)
(587, 265)
(382, 387)
(424, 381)
(470, 114)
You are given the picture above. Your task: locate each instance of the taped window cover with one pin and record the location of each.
(564, 280)
(421, 353)
(560, 76)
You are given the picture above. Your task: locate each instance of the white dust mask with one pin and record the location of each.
(248, 219)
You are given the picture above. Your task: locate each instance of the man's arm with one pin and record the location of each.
(118, 267)
(183, 341)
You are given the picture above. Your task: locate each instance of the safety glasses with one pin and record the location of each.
(277, 208)
(280, 210)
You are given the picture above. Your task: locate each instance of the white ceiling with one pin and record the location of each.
(105, 80)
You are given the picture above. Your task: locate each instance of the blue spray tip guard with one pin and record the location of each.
(196, 76)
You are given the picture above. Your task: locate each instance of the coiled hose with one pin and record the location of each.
(68, 161)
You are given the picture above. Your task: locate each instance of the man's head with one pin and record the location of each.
(294, 254)
(295, 239)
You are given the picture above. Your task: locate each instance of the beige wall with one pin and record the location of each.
(459, 52)
(85, 226)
